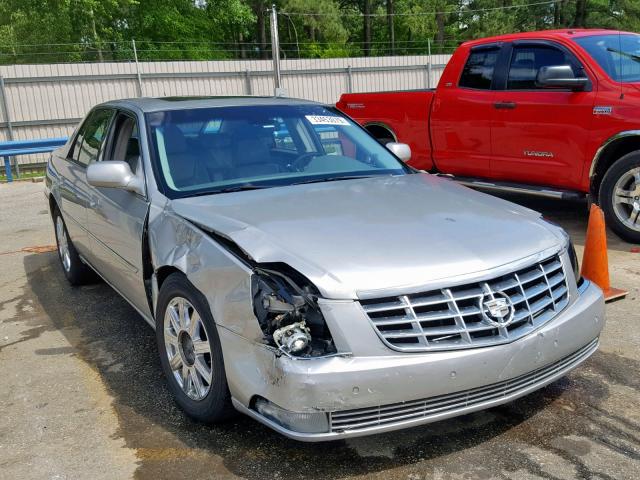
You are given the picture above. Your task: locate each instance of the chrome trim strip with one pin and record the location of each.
(547, 193)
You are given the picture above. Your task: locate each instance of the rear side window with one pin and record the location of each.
(91, 136)
(478, 71)
(526, 61)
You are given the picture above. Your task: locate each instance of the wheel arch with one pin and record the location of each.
(380, 130)
(609, 152)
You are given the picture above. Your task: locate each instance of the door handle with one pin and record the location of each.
(505, 105)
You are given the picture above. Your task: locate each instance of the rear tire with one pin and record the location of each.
(619, 197)
(76, 271)
(190, 351)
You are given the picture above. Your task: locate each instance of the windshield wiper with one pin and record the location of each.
(236, 188)
(635, 58)
(331, 179)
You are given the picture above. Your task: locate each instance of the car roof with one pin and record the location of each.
(567, 33)
(160, 104)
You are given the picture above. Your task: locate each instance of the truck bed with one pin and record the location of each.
(409, 117)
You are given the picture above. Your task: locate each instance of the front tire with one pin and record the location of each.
(190, 351)
(620, 197)
(76, 271)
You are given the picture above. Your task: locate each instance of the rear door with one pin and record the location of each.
(462, 113)
(117, 217)
(539, 134)
(75, 195)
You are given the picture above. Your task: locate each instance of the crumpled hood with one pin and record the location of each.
(356, 238)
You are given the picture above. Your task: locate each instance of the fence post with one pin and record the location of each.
(7, 118)
(275, 53)
(247, 82)
(135, 57)
(7, 169)
(429, 63)
(349, 80)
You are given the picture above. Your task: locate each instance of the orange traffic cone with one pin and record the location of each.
(595, 263)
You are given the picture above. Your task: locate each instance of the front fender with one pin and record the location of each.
(222, 278)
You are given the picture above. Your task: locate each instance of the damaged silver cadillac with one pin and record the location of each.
(299, 271)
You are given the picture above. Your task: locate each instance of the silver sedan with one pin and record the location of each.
(296, 270)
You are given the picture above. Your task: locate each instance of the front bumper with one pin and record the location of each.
(363, 395)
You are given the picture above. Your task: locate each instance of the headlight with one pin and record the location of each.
(285, 304)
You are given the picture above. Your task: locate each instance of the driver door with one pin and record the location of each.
(539, 135)
(117, 217)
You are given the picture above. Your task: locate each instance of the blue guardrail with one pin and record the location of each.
(26, 147)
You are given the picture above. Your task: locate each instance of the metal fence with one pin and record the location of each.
(42, 101)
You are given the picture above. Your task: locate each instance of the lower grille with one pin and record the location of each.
(458, 317)
(450, 403)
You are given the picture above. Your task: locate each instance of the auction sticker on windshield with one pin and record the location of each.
(326, 120)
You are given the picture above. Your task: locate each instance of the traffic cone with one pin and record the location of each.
(595, 263)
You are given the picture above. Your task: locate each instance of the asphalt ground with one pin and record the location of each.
(82, 395)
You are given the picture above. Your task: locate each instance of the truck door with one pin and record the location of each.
(539, 135)
(462, 113)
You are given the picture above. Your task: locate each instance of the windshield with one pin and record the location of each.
(214, 150)
(618, 55)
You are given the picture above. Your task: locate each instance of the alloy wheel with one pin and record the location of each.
(626, 199)
(187, 348)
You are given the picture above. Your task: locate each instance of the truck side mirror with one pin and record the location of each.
(560, 76)
(400, 150)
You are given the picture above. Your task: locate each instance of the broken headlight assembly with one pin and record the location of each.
(285, 304)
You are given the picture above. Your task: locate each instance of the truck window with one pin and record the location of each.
(526, 60)
(478, 71)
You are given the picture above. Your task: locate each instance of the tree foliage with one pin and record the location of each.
(45, 31)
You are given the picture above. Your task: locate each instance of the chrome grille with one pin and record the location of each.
(456, 317)
(442, 405)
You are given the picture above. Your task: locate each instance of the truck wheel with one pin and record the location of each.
(620, 197)
(76, 271)
(190, 351)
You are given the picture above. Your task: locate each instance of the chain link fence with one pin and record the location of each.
(45, 99)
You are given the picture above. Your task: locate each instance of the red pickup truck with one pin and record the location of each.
(555, 113)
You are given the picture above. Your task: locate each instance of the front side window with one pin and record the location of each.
(91, 136)
(478, 71)
(618, 55)
(526, 61)
(260, 147)
(125, 144)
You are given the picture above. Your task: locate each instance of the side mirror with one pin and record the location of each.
(400, 150)
(114, 174)
(560, 76)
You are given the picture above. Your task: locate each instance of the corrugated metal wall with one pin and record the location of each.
(45, 101)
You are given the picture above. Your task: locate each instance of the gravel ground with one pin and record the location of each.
(82, 394)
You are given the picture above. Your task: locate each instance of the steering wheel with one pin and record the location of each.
(302, 161)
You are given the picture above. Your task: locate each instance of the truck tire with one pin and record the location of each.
(190, 351)
(620, 197)
(76, 271)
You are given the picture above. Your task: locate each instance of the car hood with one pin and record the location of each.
(362, 238)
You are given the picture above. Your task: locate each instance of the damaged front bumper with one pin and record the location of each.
(365, 394)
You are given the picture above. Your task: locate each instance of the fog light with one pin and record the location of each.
(316, 422)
